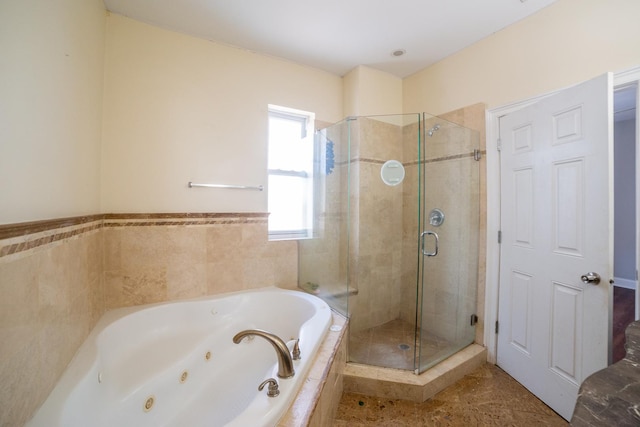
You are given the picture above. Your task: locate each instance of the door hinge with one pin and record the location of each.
(499, 236)
(477, 155)
(499, 144)
(474, 319)
(497, 327)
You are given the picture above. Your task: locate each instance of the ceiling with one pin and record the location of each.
(337, 35)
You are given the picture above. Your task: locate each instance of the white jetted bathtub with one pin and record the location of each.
(175, 364)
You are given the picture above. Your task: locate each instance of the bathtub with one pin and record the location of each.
(175, 364)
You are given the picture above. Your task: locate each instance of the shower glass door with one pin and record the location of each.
(450, 222)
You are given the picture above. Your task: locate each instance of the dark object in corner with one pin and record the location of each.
(611, 396)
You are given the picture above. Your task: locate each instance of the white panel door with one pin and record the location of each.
(556, 224)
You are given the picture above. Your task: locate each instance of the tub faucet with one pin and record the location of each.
(273, 390)
(285, 363)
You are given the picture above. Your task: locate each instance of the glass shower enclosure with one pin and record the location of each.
(395, 244)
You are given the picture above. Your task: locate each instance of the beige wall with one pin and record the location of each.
(371, 92)
(564, 44)
(181, 109)
(176, 108)
(51, 65)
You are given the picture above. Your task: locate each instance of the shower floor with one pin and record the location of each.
(391, 345)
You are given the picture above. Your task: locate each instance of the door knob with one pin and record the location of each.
(593, 278)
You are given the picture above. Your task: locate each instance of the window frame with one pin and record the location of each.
(306, 121)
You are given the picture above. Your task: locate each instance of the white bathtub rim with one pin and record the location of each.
(54, 404)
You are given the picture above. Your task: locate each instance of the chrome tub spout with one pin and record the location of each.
(285, 363)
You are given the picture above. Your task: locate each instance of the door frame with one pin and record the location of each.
(492, 119)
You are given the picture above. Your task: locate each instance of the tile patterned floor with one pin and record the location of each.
(392, 345)
(486, 397)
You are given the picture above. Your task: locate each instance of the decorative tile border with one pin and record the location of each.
(28, 242)
(21, 237)
(365, 160)
(8, 231)
(144, 220)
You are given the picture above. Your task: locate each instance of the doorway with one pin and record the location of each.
(625, 207)
(630, 77)
(555, 265)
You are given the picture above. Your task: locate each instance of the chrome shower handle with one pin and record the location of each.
(429, 233)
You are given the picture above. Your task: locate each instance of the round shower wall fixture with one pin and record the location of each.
(392, 172)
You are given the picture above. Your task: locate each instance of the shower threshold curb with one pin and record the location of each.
(399, 384)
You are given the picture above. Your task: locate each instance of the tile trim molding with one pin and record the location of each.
(20, 237)
(8, 231)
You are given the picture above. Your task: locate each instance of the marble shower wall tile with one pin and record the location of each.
(376, 215)
(155, 263)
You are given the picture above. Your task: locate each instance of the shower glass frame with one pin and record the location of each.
(367, 263)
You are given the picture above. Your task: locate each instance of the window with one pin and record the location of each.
(291, 163)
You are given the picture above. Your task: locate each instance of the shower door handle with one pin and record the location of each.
(429, 233)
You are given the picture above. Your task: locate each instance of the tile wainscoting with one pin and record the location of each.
(58, 277)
